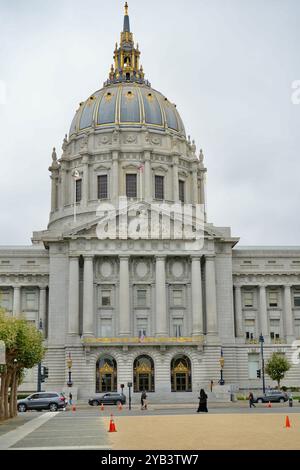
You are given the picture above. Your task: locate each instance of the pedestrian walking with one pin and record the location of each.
(70, 398)
(202, 408)
(251, 400)
(144, 400)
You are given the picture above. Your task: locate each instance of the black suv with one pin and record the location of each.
(43, 401)
(273, 396)
(108, 399)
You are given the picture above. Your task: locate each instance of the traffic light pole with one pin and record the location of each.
(39, 377)
(261, 339)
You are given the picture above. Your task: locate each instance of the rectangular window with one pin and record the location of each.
(131, 185)
(5, 299)
(253, 365)
(142, 327)
(274, 329)
(142, 297)
(250, 329)
(30, 298)
(273, 299)
(177, 297)
(181, 186)
(297, 327)
(297, 300)
(78, 186)
(248, 299)
(178, 327)
(159, 187)
(102, 187)
(106, 298)
(106, 328)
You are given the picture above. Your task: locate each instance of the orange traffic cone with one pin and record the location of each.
(287, 422)
(120, 407)
(112, 426)
(73, 408)
(269, 405)
(102, 407)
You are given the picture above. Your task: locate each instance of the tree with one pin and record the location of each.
(24, 349)
(277, 366)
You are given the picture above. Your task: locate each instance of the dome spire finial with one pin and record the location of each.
(126, 67)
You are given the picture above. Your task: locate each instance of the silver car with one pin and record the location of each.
(52, 401)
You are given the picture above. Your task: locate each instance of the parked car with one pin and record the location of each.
(52, 401)
(273, 396)
(108, 399)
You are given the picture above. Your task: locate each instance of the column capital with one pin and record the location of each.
(124, 257)
(16, 287)
(88, 257)
(160, 257)
(210, 257)
(196, 257)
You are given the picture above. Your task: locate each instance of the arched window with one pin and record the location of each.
(143, 374)
(181, 374)
(106, 375)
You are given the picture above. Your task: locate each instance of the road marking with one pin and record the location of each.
(91, 447)
(12, 437)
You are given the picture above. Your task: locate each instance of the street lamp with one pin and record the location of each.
(69, 364)
(39, 377)
(262, 340)
(222, 362)
(129, 385)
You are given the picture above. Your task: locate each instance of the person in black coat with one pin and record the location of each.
(202, 402)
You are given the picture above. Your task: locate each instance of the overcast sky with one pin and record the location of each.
(229, 66)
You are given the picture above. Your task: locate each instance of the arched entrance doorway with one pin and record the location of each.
(106, 375)
(181, 374)
(143, 374)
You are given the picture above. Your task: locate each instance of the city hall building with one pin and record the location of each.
(148, 310)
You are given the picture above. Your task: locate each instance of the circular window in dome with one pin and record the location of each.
(129, 95)
(108, 96)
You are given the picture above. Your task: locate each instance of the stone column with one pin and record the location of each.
(73, 295)
(147, 178)
(17, 301)
(85, 181)
(115, 177)
(160, 298)
(88, 296)
(62, 187)
(202, 193)
(288, 315)
(211, 297)
(124, 298)
(238, 312)
(263, 314)
(175, 180)
(53, 191)
(42, 307)
(197, 311)
(195, 184)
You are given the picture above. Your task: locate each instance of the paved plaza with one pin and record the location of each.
(161, 427)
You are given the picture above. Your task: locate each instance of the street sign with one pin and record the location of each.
(2, 353)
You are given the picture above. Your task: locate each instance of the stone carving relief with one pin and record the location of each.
(130, 139)
(141, 268)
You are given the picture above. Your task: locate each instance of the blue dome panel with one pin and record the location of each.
(86, 119)
(171, 112)
(73, 125)
(107, 107)
(151, 108)
(130, 105)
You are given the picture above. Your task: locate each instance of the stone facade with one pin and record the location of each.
(115, 300)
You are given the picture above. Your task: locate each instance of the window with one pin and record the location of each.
(178, 327)
(6, 299)
(248, 299)
(102, 187)
(106, 328)
(247, 262)
(181, 374)
(250, 329)
(142, 297)
(297, 328)
(181, 190)
(142, 327)
(177, 297)
(78, 190)
(253, 365)
(273, 299)
(131, 186)
(143, 374)
(274, 329)
(297, 300)
(159, 187)
(106, 298)
(30, 300)
(106, 375)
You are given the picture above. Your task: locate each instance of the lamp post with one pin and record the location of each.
(69, 365)
(129, 385)
(222, 362)
(39, 377)
(262, 340)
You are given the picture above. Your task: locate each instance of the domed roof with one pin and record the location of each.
(125, 105)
